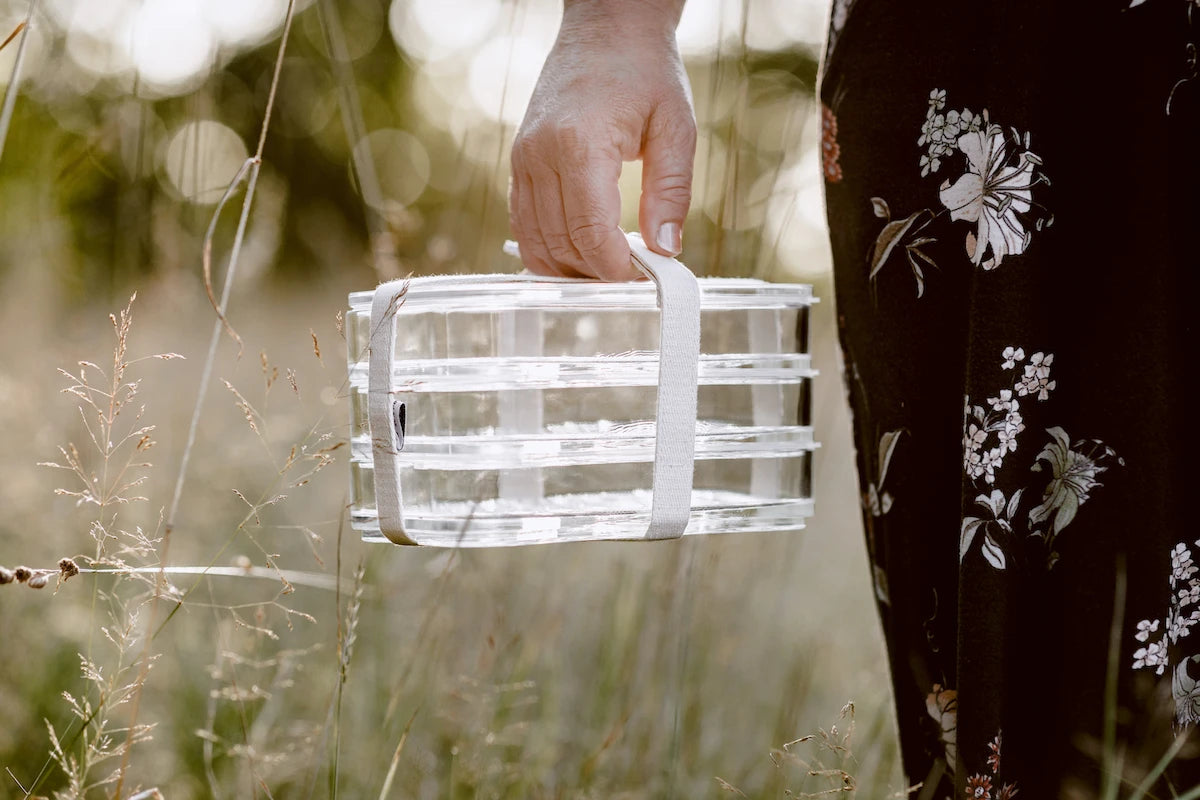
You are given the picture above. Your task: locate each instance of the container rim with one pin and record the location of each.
(537, 291)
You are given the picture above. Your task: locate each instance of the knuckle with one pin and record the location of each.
(561, 248)
(675, 189)
(525, 148)
(676, 125)
(574, 138)
(589, 236)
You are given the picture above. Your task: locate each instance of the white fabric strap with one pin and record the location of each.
(382, 407)
(678, 364)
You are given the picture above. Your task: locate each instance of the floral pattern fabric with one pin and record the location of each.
(1012, 220)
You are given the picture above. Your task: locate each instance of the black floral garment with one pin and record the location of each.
(1013, 191)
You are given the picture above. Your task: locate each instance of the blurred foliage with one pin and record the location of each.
(95, 160)
(548, 672)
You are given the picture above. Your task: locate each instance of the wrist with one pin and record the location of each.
(600, 20)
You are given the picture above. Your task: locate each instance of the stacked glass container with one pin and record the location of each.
(528, 409)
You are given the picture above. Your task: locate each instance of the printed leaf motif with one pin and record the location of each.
(994, 501)
(1012, 504)
(878, 500)
(888, 238)
(970, 526)
(917, 273)
(992, 552)
(1074, 475)
(1186, 691)
(1073, 465)
(880, 207)
(887, 446)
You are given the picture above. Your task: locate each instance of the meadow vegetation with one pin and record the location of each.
(195, 618)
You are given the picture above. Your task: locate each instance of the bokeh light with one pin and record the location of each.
(442, 30)
(401, 162)
(200, 160)
(244, 21)
(502, 75)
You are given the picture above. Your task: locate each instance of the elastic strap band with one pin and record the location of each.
(381, 411)
(678, 363)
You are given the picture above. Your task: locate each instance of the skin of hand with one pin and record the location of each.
(613, 89)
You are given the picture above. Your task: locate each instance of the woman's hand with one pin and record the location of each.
(612, 90)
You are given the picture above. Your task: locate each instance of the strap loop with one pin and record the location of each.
(382, 414)
(678, 364)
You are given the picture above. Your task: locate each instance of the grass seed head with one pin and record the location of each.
(6, 576)
(22, 574)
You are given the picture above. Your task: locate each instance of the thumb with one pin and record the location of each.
(668, 153)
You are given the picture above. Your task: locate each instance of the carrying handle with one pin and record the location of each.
(675, 431)
(678, 365)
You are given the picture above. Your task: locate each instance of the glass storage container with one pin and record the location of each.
(525, 409)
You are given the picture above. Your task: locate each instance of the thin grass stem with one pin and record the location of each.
(14, 78)
(1154, 774)
(391, 773)
(383, 244)
(230, 273)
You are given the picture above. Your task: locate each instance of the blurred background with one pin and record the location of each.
(629, 670)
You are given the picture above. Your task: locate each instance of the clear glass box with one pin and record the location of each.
(530, 409)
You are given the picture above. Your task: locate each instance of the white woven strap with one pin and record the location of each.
(678, 363)
(675, 435)
(384, 411)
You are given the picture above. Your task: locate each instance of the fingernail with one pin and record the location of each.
(670, 238)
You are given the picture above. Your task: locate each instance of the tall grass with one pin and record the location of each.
(250, 660)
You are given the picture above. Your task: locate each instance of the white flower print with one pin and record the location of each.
(1074, 475)
(994, 193)
(1182, 566)
(1002, 418)
(1177, 626)
(991, 194)
(1074, 467)
(1013, 425)
(974, 466)
(974, 437)
(837, 20)
(929, 164)
(991, 461)
(1152, 655)
(1145, 628)
(940, 132)
(1011, 356)
(1002, 401)
(1037, 376)
(1186, 691)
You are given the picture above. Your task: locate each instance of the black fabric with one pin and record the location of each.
(1050, 252)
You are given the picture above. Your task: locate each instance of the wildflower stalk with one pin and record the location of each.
(222, 323)
(250, 168)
